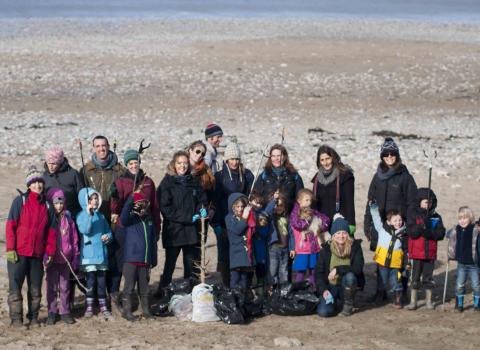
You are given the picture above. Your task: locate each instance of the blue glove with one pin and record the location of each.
(217, 230)
(329, 299)
(203, 213)
(195, 217)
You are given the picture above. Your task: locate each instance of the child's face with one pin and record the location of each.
(58, 207)
(425, 204)
(305, 201)
(93, 201)
(36, 187)
(280, 208)
(396, 221)
(262, 221)
(238, 208)
(464, 221)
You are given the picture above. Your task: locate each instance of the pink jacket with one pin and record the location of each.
(305, 240)
(67, 241)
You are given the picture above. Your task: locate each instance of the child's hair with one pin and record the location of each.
(281, 202)
(257, 197)
(393, 212)
(303, 193)
(92, 195)
(466, 212)
(242, 200)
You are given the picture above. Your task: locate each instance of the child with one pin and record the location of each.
(95, 234)
(464, 247)
(278, 244)
(240, 246)
(308, 228)
(389, 251)
(139, 254)
(29, 236)
(425, 229)
(58, 273)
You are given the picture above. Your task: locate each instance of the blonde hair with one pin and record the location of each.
(303, 193)
(466, 212)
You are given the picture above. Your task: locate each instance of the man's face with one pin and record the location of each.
(101, 148)
(52, 167)
(215, 140)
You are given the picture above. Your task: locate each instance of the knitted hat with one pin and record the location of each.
(389, 146)
(55, 195)
(33, 175)
(232, 151)
(213, 129)
(339, 224)
(129, 155)
(54, 155)
(138, 197)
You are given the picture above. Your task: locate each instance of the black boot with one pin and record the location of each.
(15, 305)
(127, 308)
(146, 307)
(349, 296)
(34, 298)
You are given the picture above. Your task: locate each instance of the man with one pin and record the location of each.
(213, 137)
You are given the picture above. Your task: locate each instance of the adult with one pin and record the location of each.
(338, 271)
(29, 237)
(200, 168)
(213, 138)
(181, 199)
(279, 175)
(59, 174)
(392, 187)
(233, 178)
(334, 186)
(121, 190)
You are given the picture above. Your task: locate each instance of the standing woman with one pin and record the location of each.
(233, 178)
(392, 187)
(279, 175)
(181, 199)
(200, 169)
(334, 186)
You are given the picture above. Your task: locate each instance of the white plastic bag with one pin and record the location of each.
(181, 306)
(203, 306)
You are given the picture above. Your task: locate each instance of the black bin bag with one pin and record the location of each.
(293, 299)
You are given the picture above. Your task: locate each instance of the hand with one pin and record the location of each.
(105, 238)
(292, 254)
(114, 218)
(372, 203)
(47, 261)
(203, 213)
(328, 297)
(246, 212)
(352, 229)
(195, 217)
(90, 209)
(332, 275)
(12, 256)
(408, 267)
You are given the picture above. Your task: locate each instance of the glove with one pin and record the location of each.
(195, 217)
(203, 213)
(217, 230)
(352, 229)
(12, 256)
(329, 298)
(373, 205)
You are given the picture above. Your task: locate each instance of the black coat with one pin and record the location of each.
(323, 266)
(399, 192)
(287, 183)
(69, 181)
(326, 196)
(179, 202)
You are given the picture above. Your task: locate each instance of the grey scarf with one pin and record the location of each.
(385, 175)
(325, 178)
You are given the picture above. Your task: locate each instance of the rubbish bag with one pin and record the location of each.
(179, 287)
(249, 305)
(203, 305)
(161, 310)
(226, 305)
(293, 299)
(181, 306)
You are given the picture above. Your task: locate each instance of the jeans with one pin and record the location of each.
(133, 274)
(463, 271)
(97, 279)
(326, 310)
(278, 264)
(389, 278)
(239, 278)
(171, 255)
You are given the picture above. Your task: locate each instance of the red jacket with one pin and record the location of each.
(30, 226)
(423, 237)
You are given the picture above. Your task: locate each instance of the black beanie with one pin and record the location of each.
(389, 146)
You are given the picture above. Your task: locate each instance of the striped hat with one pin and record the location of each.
(33, 175)
(213, 129)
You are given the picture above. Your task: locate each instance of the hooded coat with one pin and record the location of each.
(91, 227)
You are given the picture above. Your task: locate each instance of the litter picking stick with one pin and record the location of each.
(259, 166)
(74, 274)
(83, 167)
(446, 282)
(430, 166)
(203, 266)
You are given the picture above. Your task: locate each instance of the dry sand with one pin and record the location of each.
(341, 82)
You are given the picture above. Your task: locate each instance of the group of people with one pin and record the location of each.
(104, 223)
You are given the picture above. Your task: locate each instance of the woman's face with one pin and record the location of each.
(52, 167)
(181, 165)
(233, 163)
(133, 166)
(36, 187)
(276, 158)
(390, 159)
(326, 161)
(340, 237)
(197, 154)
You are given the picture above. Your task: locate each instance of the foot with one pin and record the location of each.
(107, 315)
(34, 323)
(16, 323)
(412, 306)
(129, 316)
(347, 310)
(67, 319)
(458, 308)
(51, 319)
(88, 313)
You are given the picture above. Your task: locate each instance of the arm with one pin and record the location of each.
(321, 272)
(411, 193)
(74, 233)
(270, 207)
(127, 217)
(106, 228)
(376, 219)
(155, 210)
(84, 223)
(168, 209)
(51, 237)
(438, 232)
(12, 223)
(234, 226)
(349, 198)
(368, 227)
(291, 240)
(296, 222)
(298, 184)
(249, 178)
(116, 203)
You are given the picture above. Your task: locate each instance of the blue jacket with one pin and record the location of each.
(140, 240)
(93, 251)
(237, 236)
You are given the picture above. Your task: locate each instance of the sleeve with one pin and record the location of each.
(126, 216)
(349, 195)
(234, 226)
(321, 273)
(74, 233)
(376, 219)
(258, 185)
(298, 184)
(411, 195)
(84, 223)
(50, 239)
(416, 226)
(202, 199)
(155, 209)
(106, 228)
(217, 199)
(79, 184)
(270, 207)
(12, 223)
(296, 222)
(438, 232)
(368, 227)
(168, 209)
(115, 200)
(291, 239)
(249, 178)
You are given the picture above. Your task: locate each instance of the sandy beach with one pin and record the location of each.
(343, 82)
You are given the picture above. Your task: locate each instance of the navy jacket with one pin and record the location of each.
(237, 236)
(140, 237)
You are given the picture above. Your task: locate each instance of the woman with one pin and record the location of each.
(200, 169)
(121, 190)
(279, 175)
(338, 271)
(233, 178)
(59, 174)
(392, 187)
(181, 199)
(334, 186)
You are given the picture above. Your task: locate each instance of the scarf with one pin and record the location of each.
(278, 171)
(207, 180)
(252, 224)
(327, 177)
(385, 175)
(108, 163)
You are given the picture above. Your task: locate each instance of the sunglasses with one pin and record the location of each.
(197, 151)
(389, 154)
